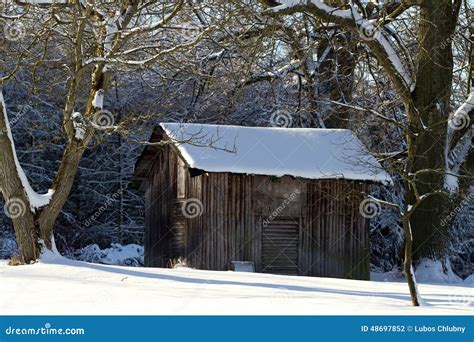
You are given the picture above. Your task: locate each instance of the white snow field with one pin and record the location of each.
(59, 286)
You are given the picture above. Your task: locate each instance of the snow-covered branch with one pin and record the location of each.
(351, 19)
(9, 155)
(459, 142)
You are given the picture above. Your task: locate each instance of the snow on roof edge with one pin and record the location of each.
(194, 157)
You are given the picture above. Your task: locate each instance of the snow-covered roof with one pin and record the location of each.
(299, 152)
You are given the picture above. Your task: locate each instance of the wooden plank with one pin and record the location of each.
(280, 246)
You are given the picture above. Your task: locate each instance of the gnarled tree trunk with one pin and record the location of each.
(428, 114)
(32, 224)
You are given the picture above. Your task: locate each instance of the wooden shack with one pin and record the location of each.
(286, 201)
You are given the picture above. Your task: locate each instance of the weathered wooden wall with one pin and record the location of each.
(160, 204)
(226, 228)
(243, 213)
(335, 236)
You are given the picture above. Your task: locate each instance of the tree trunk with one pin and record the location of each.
(408, 262)
(336, 72)
(62, 186)
(428, 116)
(17, 203)
(34, 224)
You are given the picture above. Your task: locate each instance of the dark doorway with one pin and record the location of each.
(280, 246)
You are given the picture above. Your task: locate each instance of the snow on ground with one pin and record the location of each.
(58, 286)
(128, 255)
(427, 271)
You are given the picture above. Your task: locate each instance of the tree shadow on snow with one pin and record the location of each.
(193, 280)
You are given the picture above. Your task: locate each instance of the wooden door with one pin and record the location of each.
(280, 246)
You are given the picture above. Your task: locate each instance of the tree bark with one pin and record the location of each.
(427, 114)
(62, 186)
(31, 227)
(408, 262)
(336, 72)
(16, 201)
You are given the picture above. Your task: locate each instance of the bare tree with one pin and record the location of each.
(97, 38)
(425, 87)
